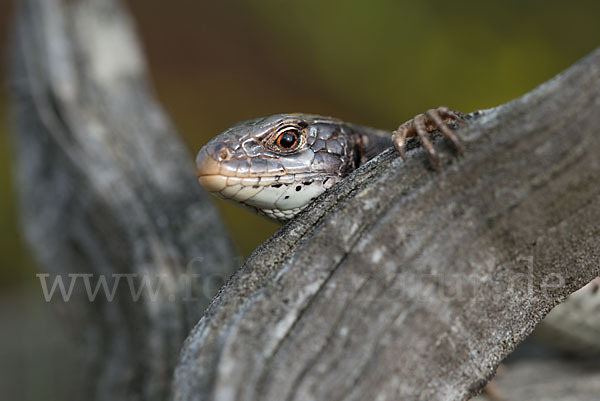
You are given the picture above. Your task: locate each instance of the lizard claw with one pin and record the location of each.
(422, 125)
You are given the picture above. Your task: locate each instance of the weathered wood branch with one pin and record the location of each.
(406, 283)
(400, 283)
(108, 191)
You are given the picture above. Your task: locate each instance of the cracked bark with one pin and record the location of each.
(400, 283)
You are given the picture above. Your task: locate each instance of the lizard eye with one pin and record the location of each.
(288, 139)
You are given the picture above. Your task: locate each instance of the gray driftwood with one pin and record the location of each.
(107, 188)
(400, 283)
(405, 283)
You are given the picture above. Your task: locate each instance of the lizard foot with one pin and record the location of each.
(422, 125)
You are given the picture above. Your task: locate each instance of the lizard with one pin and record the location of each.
(276, 165)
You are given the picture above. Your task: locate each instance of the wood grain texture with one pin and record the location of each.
(107, 189)
(406, 283)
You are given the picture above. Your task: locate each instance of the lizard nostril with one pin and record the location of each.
(224, 154)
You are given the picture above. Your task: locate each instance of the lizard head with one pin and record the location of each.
(277, 165)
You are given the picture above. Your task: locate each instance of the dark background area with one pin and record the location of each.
(377, 63)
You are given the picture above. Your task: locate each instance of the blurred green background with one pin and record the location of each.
(375, 63)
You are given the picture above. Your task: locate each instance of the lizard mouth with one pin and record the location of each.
(221, 175)
(291, 192)
(278, 196)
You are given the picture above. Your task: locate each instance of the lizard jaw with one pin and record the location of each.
(278, 197)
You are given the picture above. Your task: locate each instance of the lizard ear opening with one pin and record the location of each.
(357, 159)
